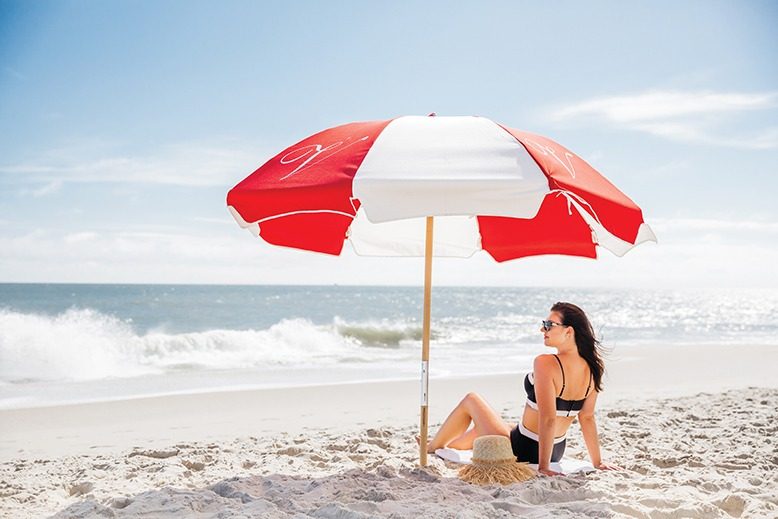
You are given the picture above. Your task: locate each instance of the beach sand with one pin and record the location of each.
(693, 427)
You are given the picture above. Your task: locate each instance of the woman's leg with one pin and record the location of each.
(453, 433)
(464, 441)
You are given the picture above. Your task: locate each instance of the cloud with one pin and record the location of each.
(189, 164)
(159, 256)
(677, 115)
(227, 220)
(714, 225)
(659, 105)
(79, 237)
(690, 253)
(47, 189)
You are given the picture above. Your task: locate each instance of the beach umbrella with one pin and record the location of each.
(384, 186)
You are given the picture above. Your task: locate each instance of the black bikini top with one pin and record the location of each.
(563, 407)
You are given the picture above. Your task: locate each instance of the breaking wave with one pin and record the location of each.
(383, 334)
(84, 344)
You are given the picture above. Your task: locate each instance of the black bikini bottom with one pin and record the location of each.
(526, 449)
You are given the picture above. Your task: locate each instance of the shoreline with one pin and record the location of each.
(632, 375)
(232, 381)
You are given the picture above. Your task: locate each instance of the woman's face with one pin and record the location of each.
(555, 336)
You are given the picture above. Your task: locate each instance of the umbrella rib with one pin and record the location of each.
(303, 211)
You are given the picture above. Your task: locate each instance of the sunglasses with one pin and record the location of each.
(547, 325)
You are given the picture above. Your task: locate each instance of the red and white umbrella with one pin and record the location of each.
(379, 184)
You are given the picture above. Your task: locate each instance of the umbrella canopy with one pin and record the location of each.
(489, 187)
(508, 192)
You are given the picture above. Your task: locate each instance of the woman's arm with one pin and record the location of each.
(589, 428)
(589, 431)
(545, 393)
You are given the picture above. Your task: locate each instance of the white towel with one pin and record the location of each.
(566, 466)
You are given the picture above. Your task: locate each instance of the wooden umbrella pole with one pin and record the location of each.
(425, 345)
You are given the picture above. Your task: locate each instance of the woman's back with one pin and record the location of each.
(571, 382)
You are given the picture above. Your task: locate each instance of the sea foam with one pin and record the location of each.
(84, 344)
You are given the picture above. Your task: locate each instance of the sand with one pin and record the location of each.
(694, 435)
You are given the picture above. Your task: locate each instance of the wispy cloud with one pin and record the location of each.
(188, 164)
(164, 256)
(764, 227)
(691, 253)
(660, 105)
(80, 237)
(47, 189)
(227, 220)
(677, 115)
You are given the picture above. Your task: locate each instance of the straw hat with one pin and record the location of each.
(494, 463)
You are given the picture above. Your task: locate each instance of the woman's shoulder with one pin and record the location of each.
(544, 362)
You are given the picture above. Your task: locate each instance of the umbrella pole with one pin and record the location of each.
(425, 344)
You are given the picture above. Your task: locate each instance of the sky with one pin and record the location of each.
(124, 124)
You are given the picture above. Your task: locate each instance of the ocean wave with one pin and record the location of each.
(382, 334)
(85, 344)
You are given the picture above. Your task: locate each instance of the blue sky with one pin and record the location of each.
(124, 124)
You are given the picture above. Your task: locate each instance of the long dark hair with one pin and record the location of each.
(588, 345)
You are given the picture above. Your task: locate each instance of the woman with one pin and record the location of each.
(561, 387)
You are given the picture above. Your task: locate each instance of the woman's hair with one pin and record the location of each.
(588, 345)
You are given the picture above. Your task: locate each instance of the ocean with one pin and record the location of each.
(69, 343)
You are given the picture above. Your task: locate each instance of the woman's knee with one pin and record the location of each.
(471, 398)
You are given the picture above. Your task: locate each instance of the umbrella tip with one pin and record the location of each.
(433, 114)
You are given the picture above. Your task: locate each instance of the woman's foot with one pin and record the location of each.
(418, 442)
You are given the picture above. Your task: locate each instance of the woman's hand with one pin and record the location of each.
(549, 472)
(607, 466)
